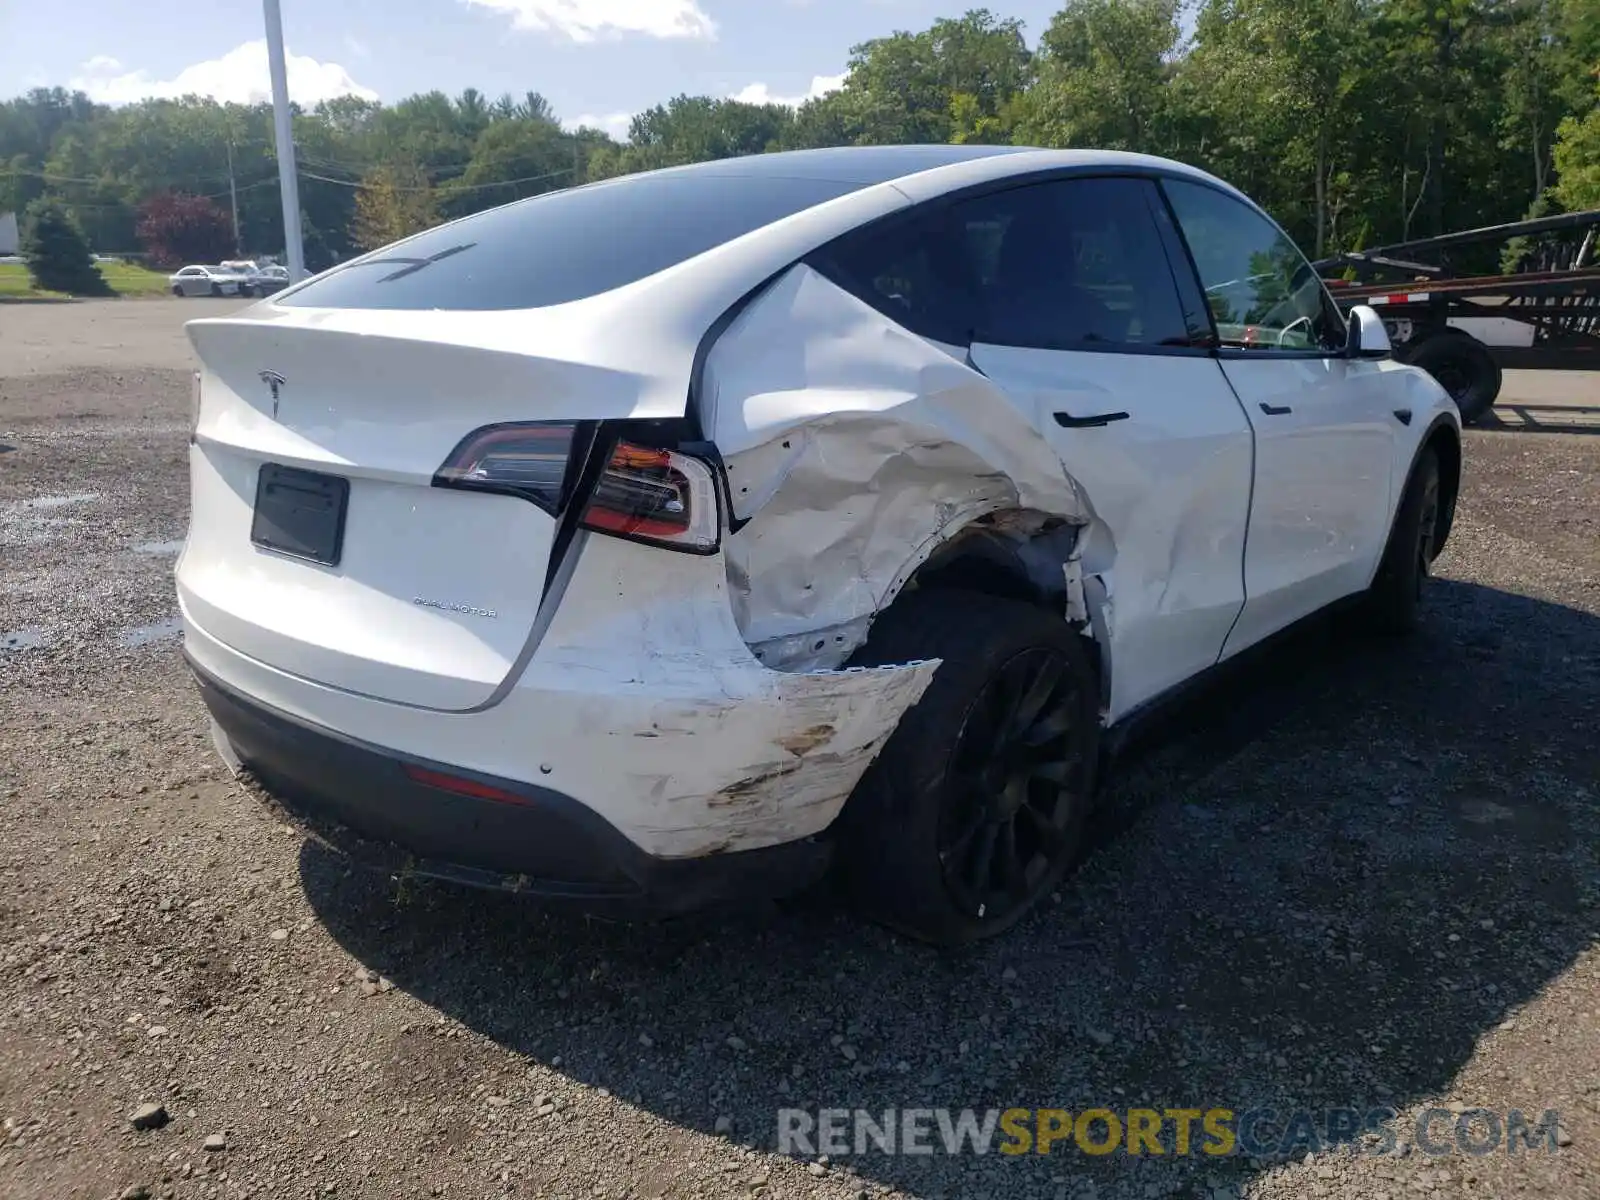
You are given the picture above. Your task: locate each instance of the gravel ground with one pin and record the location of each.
(1366, 876)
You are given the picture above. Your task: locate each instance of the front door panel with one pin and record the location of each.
(1323, 462)
(1324, 436)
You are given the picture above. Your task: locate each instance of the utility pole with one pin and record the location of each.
(233, 198)
(288, 182)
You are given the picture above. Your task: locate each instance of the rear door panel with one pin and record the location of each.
(1081, 319)
(1170, 488)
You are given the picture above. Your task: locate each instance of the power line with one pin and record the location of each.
(470, 187)
(243, 187)
(435, 173)
(47, 177)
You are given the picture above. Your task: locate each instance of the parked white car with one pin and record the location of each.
(208, 281)
(656, 542)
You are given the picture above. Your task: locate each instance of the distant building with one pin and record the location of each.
(8, 233)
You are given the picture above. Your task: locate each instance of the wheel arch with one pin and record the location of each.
(1443, 437)
(1012, 556)
(1445, 440)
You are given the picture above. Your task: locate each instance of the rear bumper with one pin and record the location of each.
(639, 701)
(360, 799)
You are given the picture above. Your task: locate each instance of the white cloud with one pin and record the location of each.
(240, 76)
(760, 93)
(616, 124)
(587, 20)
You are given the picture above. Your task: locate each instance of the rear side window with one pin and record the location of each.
(565, 246)
(1072, 264)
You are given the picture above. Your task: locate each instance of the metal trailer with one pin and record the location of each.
(1465, 329)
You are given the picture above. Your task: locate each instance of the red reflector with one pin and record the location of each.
(462, 787)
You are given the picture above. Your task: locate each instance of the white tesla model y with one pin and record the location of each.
(658, 542)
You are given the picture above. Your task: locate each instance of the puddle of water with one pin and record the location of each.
(159, 549)
(22, 639)
(60, 501)
(145, 635)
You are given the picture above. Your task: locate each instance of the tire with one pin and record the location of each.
(177, 291)
(1464, 368)
(1393, 602)
(967, 819)
(216, 289)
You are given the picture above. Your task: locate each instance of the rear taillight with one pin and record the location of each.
(656, 496)
(644, 494)
(528, 460)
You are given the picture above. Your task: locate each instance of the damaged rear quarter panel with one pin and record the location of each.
(678, 735)
(854, 448)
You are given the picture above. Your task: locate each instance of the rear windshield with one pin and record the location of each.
(566, 245)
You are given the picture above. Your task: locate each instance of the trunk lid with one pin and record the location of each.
(433, 592)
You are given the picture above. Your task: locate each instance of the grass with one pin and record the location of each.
(125, 279)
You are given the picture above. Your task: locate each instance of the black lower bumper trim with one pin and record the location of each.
(359, 799)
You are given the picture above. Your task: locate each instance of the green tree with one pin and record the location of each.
(57, 252)
(1534, 47)
(1103, 74)
(1354, 122)
(696, 128)
(1577, 160)
(395, 201)
(511, 160)
(953, 81)
(1279, 78)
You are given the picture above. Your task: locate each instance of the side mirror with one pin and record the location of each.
(1367, 338)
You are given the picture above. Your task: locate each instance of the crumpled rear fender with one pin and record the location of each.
(854, 450)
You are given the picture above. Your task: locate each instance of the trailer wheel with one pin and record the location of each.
(1464, 368)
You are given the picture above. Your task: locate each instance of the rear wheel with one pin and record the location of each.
(975, 808)
(216, 289)
(1464, 368)
(177, 291)
(1396, 594)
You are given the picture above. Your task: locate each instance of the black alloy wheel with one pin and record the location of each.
(1010, 807)
(974, 809)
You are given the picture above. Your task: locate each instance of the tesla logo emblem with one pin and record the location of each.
(274, 381)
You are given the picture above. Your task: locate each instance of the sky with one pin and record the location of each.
(597, 61)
